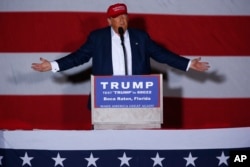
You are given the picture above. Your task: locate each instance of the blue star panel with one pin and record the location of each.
(121, 158)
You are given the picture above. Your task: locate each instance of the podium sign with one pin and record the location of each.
(126, 102)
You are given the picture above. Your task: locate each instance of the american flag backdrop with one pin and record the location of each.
(218, 31)
(206, 115)
(214, 104)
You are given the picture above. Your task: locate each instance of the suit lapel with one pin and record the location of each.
(107, 49)
(134, 50)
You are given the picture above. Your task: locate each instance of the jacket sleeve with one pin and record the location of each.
(163, 55)
(78, 57)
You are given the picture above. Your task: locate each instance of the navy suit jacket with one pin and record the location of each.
(98, 47)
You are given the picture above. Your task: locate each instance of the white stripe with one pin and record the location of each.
(126, 139)
(19, 79)
(190, 7)
(228, 77)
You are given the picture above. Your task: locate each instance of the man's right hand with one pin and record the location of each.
(43, 66)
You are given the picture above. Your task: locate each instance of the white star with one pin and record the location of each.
(157, 160)
(124, 159)
(190, 159)
(58, 160)
(91, 160)
(1, 157)
(223, 159)
(26, 159)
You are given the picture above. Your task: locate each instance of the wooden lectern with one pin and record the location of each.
(127, 102)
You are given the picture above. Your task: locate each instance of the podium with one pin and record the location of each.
(127, 102)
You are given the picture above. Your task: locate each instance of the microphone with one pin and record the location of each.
(121, 32)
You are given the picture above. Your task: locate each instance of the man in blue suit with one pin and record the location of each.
(107, 53)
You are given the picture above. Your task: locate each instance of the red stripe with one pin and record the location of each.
(70, 112)
(66, 31)
(44, 112)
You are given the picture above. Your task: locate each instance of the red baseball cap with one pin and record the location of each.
(116, 10)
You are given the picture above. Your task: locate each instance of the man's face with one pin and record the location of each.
(119, 21)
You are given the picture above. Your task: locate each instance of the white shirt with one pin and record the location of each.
(118, 60)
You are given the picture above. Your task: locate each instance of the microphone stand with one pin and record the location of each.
(125, 58)
(121, 32)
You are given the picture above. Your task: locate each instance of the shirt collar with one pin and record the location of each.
(114, 34)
